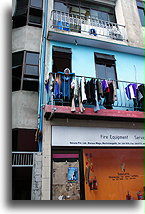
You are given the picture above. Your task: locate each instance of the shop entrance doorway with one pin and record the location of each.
(65, 177)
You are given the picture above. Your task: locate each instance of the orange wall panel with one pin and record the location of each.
(117, 171)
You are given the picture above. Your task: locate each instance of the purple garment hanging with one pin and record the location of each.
(104, 85)
(128, 92)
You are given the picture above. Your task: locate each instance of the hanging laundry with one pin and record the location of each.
(92, 93)
(96, 104)
(76, 95)
(56, 91)
(92, 90)
(99, 89)
(88, 91)
(84, 97)
(108, 94)
(140, 97)
(115, 90)
(46, 86)
(104, 85)
(73, 87)
(66, 79)
(131, 91)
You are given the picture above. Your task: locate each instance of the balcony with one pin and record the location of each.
(87, 26)
(125, 100)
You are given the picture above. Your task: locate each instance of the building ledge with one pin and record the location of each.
(65, 112)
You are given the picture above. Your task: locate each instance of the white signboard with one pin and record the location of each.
(90, 136)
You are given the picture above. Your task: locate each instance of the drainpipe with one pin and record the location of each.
(41, 75)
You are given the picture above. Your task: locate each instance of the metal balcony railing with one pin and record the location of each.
(87, 26)
(56, 93)
(22, 159)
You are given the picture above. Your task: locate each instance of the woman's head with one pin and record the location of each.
(66, 71)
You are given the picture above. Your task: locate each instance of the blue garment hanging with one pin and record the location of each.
(66, 84)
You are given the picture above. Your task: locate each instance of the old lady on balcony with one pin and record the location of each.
(66, 79)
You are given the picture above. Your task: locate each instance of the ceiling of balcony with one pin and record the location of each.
(119, 46)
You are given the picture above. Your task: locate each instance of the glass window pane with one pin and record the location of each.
(101, 71)
(32, 58)
(30, 85)
(36, 3)
(31, 70)
(35, 19)
(16, 84)
(94, 13)
(106, 9)
(140, 4)
(74, 10)
(103, 16)
(59, 6)
(112, 18)
(17, 58)
(141, 14)
(110, 72)
(84, 12)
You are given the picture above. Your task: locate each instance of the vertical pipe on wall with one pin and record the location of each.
(41, 76)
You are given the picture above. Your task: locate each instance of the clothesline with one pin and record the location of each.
(109, 79)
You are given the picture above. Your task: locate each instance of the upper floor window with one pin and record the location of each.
(28, 12)
(36, 3)
(140, 6)
(61, 59)
(105, 66)
(25, 71)
(86, 9)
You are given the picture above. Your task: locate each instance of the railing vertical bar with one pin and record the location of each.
(13, 159)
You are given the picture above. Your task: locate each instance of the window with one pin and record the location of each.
(32, 61)
(86, 9)
(61, 59)
(17, 66)
(24, 140)
(60, 6)
(140, 6)
(25, 71)
(105, 66)
(36, 3)
(28, 12)
(20, 15)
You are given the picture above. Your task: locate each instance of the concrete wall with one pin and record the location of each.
(129, 67)
(46, 161)
(24, 109)
(37, 177)
(26, 38)
(132, 23)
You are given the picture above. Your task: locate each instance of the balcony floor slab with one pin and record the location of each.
(109, 114)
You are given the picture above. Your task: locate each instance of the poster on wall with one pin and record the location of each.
(73, 174)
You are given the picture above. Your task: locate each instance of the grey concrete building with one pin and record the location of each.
(45, 35)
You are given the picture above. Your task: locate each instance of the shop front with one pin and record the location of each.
(97, 163)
